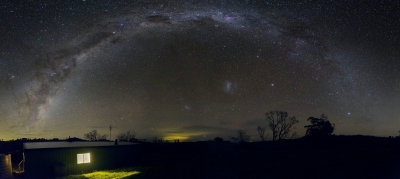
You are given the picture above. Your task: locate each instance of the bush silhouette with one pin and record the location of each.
(319, 126)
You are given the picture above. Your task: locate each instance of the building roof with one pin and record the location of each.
(45, 145)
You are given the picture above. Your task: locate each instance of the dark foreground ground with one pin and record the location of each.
(335, 157)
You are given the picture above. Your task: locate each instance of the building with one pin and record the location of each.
(49, 159)
(5, 166)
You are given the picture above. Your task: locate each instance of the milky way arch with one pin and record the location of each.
(296, 44)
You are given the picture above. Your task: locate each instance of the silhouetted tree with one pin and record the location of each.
(399, 134)
(158, 140)
(92, 135)
(319, 126)
(242, 136)
(218, 139)
(261, 132)
(128, 136)
(280, 124)
(95, 136)
(102, 137)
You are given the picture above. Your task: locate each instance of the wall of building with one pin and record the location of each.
(5, 166)
(63, 161)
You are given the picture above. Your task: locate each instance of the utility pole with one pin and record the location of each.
(110, 131)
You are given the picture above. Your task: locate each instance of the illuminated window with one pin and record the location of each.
(83, 158)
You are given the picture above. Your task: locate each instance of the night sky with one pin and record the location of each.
(197, 70)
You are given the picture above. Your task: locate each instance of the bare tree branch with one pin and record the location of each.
(280, 124)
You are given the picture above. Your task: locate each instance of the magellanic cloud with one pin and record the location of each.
(54, 69)
(180, 64)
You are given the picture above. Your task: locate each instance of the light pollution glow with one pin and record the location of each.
(183, 136)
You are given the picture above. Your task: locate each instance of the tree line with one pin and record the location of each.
(279, 122)
(128, 136)
(281, 125)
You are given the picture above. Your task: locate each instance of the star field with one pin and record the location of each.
(197, 69)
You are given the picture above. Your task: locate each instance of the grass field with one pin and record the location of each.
(108, 174)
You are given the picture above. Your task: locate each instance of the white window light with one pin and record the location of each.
(83, 158)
